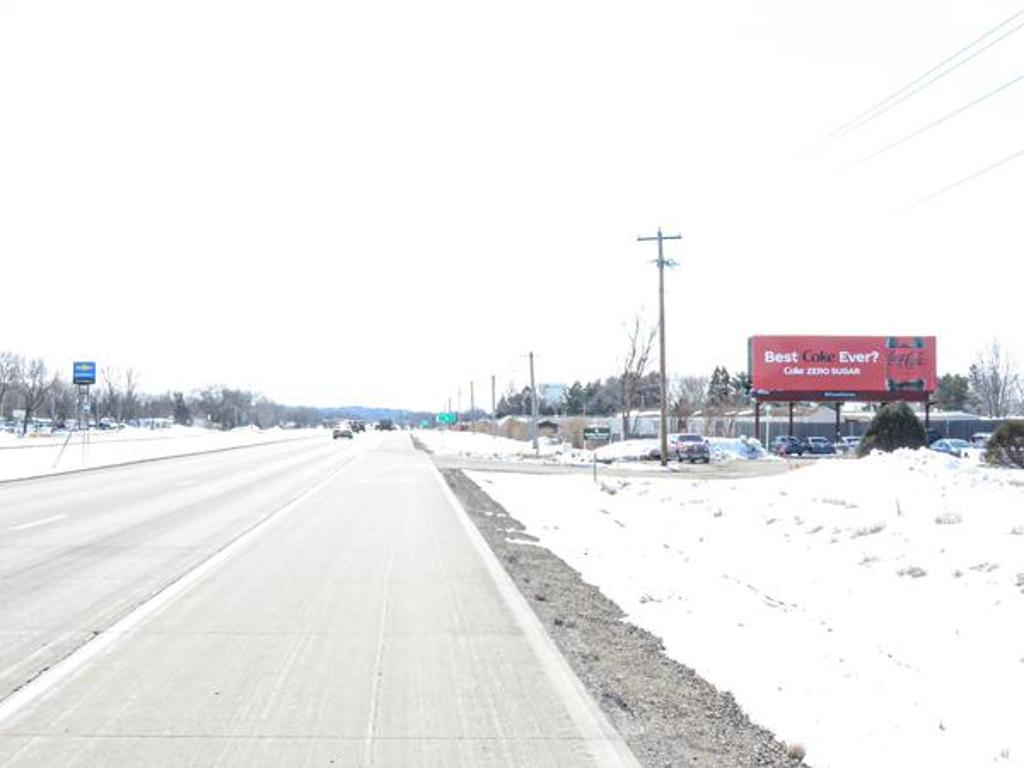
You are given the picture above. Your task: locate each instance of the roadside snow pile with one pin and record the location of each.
(452, 443)
(627, 450)
(726, 448)
(870, 609)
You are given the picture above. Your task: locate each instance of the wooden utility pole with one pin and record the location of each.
(662, 263)
(533, 410)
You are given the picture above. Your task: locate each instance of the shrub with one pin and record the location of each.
(894, 426)
(1006, 446)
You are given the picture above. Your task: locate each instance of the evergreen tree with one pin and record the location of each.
(720, 387)
(953, 392)
(182, 413)
(574, 399)
(894, 426)
(1006, 446)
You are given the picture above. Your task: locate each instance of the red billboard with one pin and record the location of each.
(842, 367)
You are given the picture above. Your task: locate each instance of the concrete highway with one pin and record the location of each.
(316, 603)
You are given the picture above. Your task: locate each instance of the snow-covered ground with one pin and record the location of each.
(483, 446)
(42, 455)
(872, 610)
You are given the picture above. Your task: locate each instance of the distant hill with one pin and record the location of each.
(364, 413)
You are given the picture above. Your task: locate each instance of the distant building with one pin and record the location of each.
(551, 394)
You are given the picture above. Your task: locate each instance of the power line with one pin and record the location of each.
(935, 123)
(921, 82)
(964, 180)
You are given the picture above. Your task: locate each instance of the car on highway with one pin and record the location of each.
(343, 429)
(385, 425)
(819, 446)
(692, 448)
(953, 446)
(787, 445)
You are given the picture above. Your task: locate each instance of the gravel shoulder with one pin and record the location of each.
(667, 714)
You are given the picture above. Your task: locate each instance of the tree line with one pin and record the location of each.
(992, 387)
(27, 385)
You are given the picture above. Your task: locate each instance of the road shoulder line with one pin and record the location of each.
(581, 707)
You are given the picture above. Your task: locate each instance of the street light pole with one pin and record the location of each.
(662, 263)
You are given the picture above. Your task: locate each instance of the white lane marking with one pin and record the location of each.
(75, 661)
(44, 521)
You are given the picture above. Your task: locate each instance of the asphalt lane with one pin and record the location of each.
(78, 551)
(364, 623)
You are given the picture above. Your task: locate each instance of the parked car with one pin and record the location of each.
(819, 446)
(848, 444)
(358, 426)
(692, 448)
(787, 445)
(385, 425)
(953, 446)
(980, 440)
(344, 429)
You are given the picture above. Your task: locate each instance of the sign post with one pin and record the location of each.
(83, 375)
(447, 418)
(596, 434)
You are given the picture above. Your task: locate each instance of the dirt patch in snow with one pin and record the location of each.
(667, 714)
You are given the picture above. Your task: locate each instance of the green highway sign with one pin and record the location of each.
(597, 433)
(447, 417)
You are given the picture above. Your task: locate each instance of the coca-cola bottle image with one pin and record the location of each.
(904, 364)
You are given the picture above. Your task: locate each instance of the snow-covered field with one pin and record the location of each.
(42, 455)
(872, 610)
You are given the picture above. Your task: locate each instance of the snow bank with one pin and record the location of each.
(870, 609)
(627, 450)
(472, 444)
(728, 448)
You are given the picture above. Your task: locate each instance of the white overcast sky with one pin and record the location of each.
(341, 203)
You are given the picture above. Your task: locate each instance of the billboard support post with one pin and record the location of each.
(839, 433)
(790, 418)
(757, 422)
(928, 414)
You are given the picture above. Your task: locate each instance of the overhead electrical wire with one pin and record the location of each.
(935, 123)
(921, 82)
(964, 180)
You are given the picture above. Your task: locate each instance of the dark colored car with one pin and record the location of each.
(819, 446)
(692, 448)
(787, 445)
(385, 425)
(358, 426)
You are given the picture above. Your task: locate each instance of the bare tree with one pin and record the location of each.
(688, 396)
(130, 400)
(994, 382)
(640, 340)
(111, 393)
(11, 366)
(35, 388)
